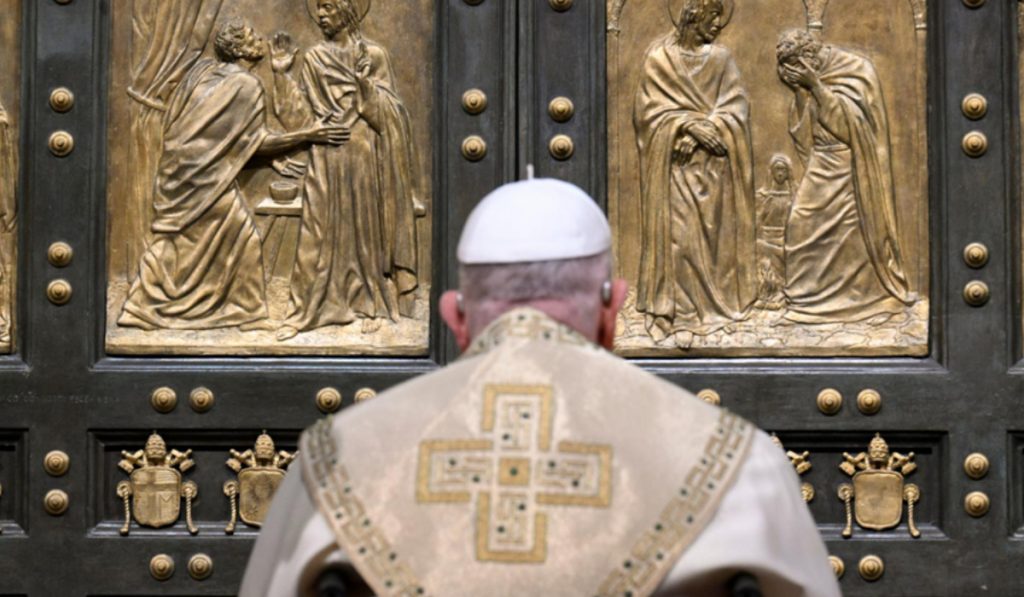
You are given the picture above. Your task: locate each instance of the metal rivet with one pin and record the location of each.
(56, 463)
(63, 1)
(976, 465)
(869, 402)
(201, 399)
(871, 568)
(474, 148)
(976, 255)
(976, 293)
(561, 109)
(975, 144)
(61, 144)
(62, 100)
(474, 101)
(200, 566)
(838, 566)
(560, 5)
(977, 504)
(473, 2)
(56, 502)
(974, 106)
(710, 396)
(561, 147)
(60, 254)
(59, 292)
(161, 566)
(974, 3)
(328, 400)
(830, 401)
(364, 394)
(163, 400)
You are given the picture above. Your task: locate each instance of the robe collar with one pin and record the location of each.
(522, 325)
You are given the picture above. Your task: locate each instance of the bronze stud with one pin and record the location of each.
(869, 402)
(977, 504)
(561, 109)
(474, 101)
(56, 463)
(830, 401)
(364, 394)
(710, 396)
(976, 465)
(838, 566)
(62, 100)
(871, 568)
(328, 400)
(975, 144)
(474, 148)
(560, 5)
(974, 106)
(976, 255)
(161, 567)
(163, 400)
(562, 147)
(59, 292)
(974, 3)
(201, 399)
(60, 254)
(976, 293)
(61, 144)
(200, 566)
(56, 502)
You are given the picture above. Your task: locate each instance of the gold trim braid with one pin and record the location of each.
(686, 515)
(370, 551)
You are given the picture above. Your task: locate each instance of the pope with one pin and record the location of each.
(538, 463)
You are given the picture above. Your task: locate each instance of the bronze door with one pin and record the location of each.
(816, 202)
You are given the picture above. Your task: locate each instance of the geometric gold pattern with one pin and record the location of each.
(512, 472)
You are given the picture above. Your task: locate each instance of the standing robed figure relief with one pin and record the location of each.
(8, 216)
(357, 253)
(843, 257)
(692, 119)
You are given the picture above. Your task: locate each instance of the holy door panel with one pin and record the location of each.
(768, 176)
(10, 96)
(270, 177)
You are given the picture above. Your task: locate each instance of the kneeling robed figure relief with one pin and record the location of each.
(764, 200)
(271, 198)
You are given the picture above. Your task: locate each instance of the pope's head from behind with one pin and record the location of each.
(543, 244)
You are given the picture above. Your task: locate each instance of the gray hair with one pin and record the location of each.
(795, 43)
(233, 41)
(489, 290)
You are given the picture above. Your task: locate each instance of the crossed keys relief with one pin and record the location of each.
(512, 472)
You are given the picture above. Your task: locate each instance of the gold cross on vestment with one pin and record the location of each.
(513, 473)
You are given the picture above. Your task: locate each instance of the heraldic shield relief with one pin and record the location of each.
(156, 488)
(878, 491)
(260, 472)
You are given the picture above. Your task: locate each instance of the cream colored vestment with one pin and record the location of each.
(539, 464)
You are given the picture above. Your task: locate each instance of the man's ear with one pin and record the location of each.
(454, 318)
(610, 312)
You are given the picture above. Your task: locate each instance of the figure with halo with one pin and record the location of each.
(692, 120)
(357, 242)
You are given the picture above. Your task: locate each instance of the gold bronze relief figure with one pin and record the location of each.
(801, 464)
(153, 494)
(875, 499)
(272, 206)
(764, 200)
(10, 79)
(260, 471)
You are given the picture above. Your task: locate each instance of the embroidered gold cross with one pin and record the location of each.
(513, 473)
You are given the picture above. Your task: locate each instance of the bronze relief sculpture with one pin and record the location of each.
(277, 202)
(154, 492)
(822, 252)
(8, 222)
(259, 473)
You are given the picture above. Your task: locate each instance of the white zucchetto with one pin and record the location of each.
(534, 220)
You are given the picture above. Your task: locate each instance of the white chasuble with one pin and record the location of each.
(537, 464)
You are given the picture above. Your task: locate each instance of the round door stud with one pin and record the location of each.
(974, 3)
(474, 148)
(328, 400)
(561, 109)
(975, 144)
(830, 401)
(976, 293)
(163, 400)
(200, 566)
(201, 400)
(364, 394)
(60, 254)
(56, 502)
(62, 100)
(977, 504)
(976, 255)
(562, 147)
(838, 566)
(560, 5)
(871, 568)
(869, 402)
(710, 396)
(976, 465)
(474, 101)
(56, 463)
(61, 144)
(59, 292)
(161, 567)
(974, 106)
